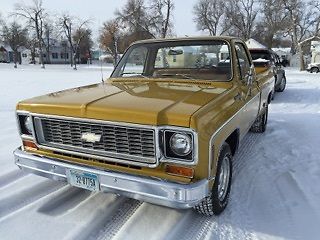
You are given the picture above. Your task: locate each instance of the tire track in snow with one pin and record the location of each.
(11, 177)
(107, 222)
(65, 201)
(195, 226)
(192, 226)
(149, 222)
(28, 196)
(260, 193)
(118, 219)
(235, 222)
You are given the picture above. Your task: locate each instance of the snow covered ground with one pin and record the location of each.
(275, 191)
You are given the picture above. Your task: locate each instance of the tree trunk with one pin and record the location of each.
(75, 60)
(166, 25)
(41, 57)
(15, 59)
(302, 63)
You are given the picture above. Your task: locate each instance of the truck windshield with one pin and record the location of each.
(203, 60)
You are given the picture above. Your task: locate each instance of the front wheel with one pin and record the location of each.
(217, 201)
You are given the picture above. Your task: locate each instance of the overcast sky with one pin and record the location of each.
(102, 10)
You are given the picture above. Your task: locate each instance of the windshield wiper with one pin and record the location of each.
(177, 74)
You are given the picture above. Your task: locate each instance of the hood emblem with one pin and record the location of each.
(90, 137)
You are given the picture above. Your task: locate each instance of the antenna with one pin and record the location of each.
(100, 59)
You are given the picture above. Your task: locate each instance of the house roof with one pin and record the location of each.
(253, 44)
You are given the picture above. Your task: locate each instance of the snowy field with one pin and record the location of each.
(275, 192)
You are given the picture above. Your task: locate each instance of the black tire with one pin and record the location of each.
(314, 70)
(282, 85)
(215, 204)
(260, 124)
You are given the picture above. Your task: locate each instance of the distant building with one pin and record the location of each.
(7, 55)
(283, 53)
(315, 51)
(59, 52)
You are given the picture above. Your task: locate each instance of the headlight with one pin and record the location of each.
(180, 144)
(25, 124)
(28, 124)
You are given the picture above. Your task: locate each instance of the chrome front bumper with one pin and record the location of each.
(141, 188)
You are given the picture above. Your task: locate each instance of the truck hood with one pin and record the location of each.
(149, 102)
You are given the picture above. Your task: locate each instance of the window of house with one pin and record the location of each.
(54, 55)
(64, 55)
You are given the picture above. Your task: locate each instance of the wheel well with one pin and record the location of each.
(233, 141)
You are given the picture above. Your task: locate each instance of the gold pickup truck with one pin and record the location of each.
(163, 128)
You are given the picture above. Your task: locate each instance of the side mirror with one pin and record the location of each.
(249, 76)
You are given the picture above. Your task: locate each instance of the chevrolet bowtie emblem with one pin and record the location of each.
(90, 137)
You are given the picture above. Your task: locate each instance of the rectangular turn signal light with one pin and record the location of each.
(30, 145)
(179, 171)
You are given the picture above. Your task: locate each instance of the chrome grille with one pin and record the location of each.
(132, 143)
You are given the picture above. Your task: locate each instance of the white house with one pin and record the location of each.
(7, 55)
(315, 51)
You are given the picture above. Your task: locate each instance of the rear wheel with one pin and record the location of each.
(260, 124)
(282, 85)
(217, 201)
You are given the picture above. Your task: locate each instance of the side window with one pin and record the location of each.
(243, 60)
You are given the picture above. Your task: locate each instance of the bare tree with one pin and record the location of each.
(302, 17)
(49, 34)
(273, 22)
(32, 46)
(134, 16)
(1, 20)
(82, 37)
(70, 28)
(209, 16)
(16, 37)
(241, 17)
(35, 15)
(317, 19)
(109, 38)
(161, 17)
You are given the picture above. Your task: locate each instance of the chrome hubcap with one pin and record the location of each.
(224, 178)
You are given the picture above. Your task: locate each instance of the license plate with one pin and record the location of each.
(84, 180)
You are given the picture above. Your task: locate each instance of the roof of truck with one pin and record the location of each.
(202, 38)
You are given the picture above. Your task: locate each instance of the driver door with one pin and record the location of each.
(250, 91)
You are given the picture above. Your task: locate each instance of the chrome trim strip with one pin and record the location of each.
(219, 129)
(151, 190)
